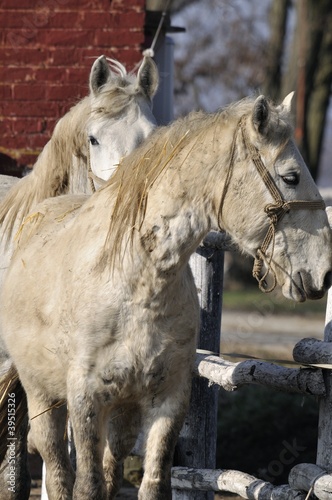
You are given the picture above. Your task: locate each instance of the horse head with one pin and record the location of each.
(121, 116)
(279, 216)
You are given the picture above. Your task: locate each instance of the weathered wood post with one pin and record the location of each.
(197, 442)
(324, 446)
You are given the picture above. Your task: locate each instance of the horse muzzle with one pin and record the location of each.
(304, 288)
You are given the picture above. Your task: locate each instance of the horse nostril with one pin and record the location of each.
(328, 280)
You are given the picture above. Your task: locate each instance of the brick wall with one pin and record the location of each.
(47, 48)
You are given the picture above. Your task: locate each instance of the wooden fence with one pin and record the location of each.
(196, 478)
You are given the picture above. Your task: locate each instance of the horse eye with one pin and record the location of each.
(93, 141)
(291, 179)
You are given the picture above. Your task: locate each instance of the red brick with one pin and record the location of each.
(37, 141)
(111, 38)
(49, 74)
(130, 56)
(97, 19)
(64, 92)
(29, 92)
(78, 75)
(67, 19)
(127, 19)
(29, 109)
(12, 74)
(28, 125)
(67, 38)
(16, 39)
(83, 5)
(89, 56)
(19, 141)
(120, 4)
(64, 56)
(12, 18)
(14, 4)
(5, 128)
(25, 56)
(5, 91)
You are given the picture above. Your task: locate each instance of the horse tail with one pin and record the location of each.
(13, 403)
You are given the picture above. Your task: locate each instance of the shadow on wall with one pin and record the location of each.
(9, 166)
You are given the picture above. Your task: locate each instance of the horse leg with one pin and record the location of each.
(48, 431)
(88, 422)
(166, 421)
(15, 479)
(122, 434)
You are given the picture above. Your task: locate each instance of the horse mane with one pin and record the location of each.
(138, 172)
(52, 171)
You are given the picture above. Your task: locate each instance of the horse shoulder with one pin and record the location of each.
(50, 212)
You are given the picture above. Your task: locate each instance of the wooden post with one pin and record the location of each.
(324, 445)
(197, 442)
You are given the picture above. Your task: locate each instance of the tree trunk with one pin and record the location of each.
(278, 22)
(318, 101)
(310, 74)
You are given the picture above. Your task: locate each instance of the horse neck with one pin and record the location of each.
(173, 233)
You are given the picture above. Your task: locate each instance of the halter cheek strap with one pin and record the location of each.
(275, 211)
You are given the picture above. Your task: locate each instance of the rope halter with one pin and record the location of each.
(275, 211)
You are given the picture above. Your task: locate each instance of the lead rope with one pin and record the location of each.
(150, 51)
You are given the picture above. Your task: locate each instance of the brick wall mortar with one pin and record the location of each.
(46, 52)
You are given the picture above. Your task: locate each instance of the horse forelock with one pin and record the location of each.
(114, 97)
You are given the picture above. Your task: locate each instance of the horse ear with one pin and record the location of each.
(100, 72)
(148, 77)
(260, 114)
(287, 102)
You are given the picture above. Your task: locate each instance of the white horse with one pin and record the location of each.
(99, 307)
(86, 146)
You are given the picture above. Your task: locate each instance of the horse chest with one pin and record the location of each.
(122, 374)
(142, 362)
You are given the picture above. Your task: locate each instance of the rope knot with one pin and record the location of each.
(274, 208)
(257, 273)
(148, 53)
(276, 211)
(258, 266)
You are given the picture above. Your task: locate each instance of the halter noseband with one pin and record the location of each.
(275, 211)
